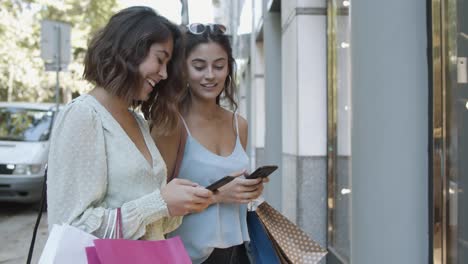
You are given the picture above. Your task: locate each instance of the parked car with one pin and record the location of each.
(24, 146)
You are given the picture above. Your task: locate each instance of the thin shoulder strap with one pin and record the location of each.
(237, 123)
(185, 125)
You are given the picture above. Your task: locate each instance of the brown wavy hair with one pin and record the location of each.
(230, 87)
(116, 51)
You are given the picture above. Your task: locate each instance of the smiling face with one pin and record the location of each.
(207, 67)
(153, 69)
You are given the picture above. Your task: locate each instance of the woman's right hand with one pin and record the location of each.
(240, 190)
(184, 197)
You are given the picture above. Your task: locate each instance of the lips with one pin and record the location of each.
(209, 85)
(151, 82)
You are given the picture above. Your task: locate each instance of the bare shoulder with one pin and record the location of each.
(167, 141)
(168, 145)
(243, 124)
(243, 130)
(169, 136)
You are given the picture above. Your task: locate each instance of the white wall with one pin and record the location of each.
(259, 94)
(312, 86)
(289, 89)
(287, 9)
(304, 108)
(304, 79)
(257, 12)
(311, 3)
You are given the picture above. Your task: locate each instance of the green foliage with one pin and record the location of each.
(16, 7)
(21, 67)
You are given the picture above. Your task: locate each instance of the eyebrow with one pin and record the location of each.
(202, 60)
(164, 52)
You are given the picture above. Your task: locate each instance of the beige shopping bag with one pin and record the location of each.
(291, 243)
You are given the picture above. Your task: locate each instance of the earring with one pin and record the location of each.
(189, 92)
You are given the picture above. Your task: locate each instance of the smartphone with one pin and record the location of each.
(262, 172)
(219, 183)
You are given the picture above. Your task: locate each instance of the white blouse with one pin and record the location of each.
(94, 167)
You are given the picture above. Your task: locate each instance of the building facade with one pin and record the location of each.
(363, 105)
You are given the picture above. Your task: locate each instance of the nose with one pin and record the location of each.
(163, 72)
(209, 73)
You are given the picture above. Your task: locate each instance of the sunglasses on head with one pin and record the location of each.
(199, 28)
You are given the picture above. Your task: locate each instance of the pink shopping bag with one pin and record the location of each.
(92, 256)
(123, 251)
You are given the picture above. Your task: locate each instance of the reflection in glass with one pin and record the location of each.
(339, 115)
(18, 124)
(457, 132)
(455, 225)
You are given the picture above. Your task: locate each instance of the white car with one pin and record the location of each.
(24, 146)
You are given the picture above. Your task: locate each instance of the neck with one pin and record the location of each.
(113, 103)
(207, 109)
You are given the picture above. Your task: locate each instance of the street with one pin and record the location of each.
(16, 229)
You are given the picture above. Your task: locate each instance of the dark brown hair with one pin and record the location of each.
(230, 87)
(115, 53)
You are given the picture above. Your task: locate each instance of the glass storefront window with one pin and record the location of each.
(339, 130)
(456, 52)
(450, 124)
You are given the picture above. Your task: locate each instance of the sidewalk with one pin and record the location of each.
(16, 228)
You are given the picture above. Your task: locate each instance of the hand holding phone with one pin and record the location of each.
(220, 183)
(247, 187)
(262, 172)
(183, 196)
(242, 190)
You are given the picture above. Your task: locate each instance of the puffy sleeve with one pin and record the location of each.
(171, 223)
(77, 178)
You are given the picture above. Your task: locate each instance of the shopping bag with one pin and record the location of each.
(292, 244)
(66, 244)
(261, 247)
(124, 251)
(93, 258)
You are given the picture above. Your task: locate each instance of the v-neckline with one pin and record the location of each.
(116, 123)
(211, 152)
(189, 136)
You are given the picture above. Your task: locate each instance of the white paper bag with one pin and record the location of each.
(66, 244)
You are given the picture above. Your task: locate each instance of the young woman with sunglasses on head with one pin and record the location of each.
(101, 155)
(215, 147)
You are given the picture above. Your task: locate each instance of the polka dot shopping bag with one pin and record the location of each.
(292, 244)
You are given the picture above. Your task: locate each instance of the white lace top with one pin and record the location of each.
(94, 167)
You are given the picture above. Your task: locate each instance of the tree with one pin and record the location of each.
(22, 73)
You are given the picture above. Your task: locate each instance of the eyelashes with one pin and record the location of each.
(200, 68)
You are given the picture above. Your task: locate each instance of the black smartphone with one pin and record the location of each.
(219, 183)
(262, 172)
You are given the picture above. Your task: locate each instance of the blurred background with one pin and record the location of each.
(23, 75)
